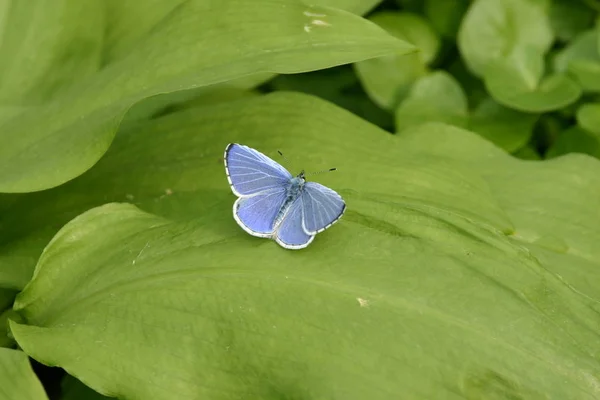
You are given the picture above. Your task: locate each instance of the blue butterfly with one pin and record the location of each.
(274, 204)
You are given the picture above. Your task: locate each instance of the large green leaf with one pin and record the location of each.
(359, 7)
(17, 379)
(171, 157)
(492, 29)
(44, 44)
(199, 43)
(459, 271)
(388, 79)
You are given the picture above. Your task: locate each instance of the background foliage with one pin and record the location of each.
(466, 140)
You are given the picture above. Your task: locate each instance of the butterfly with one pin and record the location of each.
(274, 204)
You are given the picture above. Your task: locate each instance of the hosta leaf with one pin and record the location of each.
(459, 271)
(63, 39)
(54, 143)
(552, 204)
(17, 379)
(492, 29)
(359, 7)
(175, 167)
(131, 20)
(436, 97)
(387, 79)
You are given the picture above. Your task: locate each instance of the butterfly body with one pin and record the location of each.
(274, 204)
(292, 193)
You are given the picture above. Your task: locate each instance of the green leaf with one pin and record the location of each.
(487, 262)
(131, 20)
(582, 60)
(54, 143)
(388, 79)
(588, 117)
(17, 379)
(446, 15)
(7, 297)
(435, 97)
(171, 177)
(492, 29)
(506, 128)
(517, 82)
(527, 153)
(575, 140)
(73, 389)
(359, 7)
(570, 18)
(44, 45)
(439, 97)
(340, 86)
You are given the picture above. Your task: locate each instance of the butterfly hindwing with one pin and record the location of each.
(256, 214)
(250, 172)
(290, 233)
(321, 207)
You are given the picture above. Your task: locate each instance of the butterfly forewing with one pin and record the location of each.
(250, 172)
(321, 207)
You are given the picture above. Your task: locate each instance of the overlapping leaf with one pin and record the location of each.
(459, 270)
(388, 79)
(197, 44)
(439, 97)
(17, 379)
(500, 43)
(581, 59)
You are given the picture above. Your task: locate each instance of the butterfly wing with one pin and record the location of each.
(321, 207)
(256, 214)
(290, 233)
(250, 172)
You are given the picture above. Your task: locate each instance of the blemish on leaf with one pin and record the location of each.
(362, 302)
(315, 15)
(320, 22)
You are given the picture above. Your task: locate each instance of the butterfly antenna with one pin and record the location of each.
(320, 172)
(287, 160)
